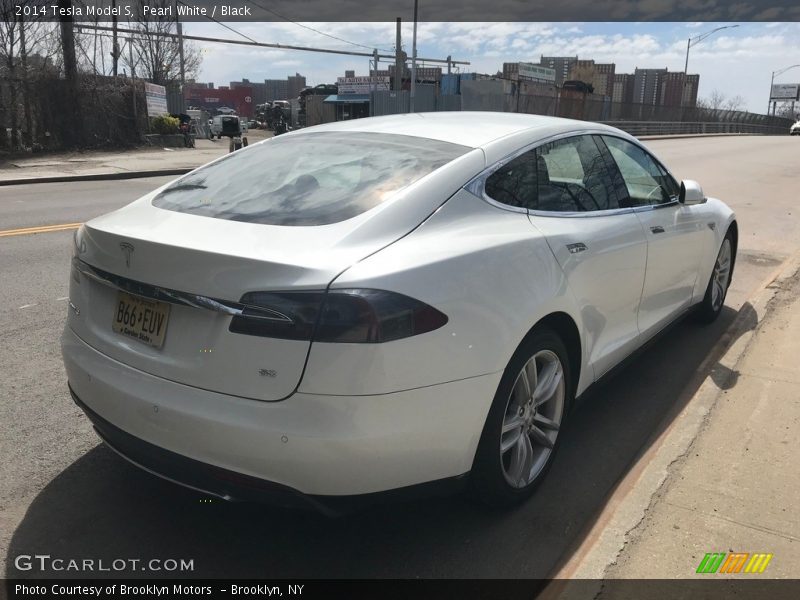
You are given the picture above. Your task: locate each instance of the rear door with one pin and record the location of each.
(675, 234)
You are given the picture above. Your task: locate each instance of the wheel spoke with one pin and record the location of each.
(541, 437)
(521, 461)
(525, 391)
(510, 439)
(545, 423)
(512, 422)
(549, 380)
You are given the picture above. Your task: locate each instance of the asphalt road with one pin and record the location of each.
(63, 494)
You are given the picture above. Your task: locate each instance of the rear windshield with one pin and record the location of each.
(308, 179)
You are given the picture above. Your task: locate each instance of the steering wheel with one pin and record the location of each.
(658, 188)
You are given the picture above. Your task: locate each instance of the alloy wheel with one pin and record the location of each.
(721, 276)
(532, 419)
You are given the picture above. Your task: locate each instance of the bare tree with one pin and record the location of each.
(157, 56)
(27, 47)
(715, 101)
(735, 103)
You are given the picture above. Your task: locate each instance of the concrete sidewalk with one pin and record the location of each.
(93, 164)
(737, 487)
(723, 478)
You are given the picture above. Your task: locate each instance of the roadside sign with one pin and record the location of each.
(536, 72)
(156, 97)
(785, 91)
(362, 84)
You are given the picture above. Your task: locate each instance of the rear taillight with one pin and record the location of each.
(355, 316)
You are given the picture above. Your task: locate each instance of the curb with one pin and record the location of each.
(97, 176)
(634, 494)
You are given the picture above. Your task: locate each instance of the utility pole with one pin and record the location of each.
(180, 45)
(133, 82)
(75, 134)
(373, 87)
(413, 61)
(114, 44)
(399, 60)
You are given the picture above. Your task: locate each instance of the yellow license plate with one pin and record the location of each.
(141, 319)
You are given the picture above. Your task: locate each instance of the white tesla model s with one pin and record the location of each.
(391, 304)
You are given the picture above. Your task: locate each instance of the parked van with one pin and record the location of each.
(223, 124)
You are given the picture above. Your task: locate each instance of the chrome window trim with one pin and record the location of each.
(161, 294)
(477, 185)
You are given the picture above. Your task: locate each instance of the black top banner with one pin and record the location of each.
(383, 11)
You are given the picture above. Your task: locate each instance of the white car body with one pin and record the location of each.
(342, 419)
(795, 129)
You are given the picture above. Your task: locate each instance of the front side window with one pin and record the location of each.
(307, 179)
(646, 182)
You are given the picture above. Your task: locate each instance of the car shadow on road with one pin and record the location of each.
(101, 507)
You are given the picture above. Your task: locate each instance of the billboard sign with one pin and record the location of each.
(785, 91)
(536, 72)
(362, 84)
(156, 97)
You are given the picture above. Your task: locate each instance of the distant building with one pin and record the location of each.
(672, 89)
(238, 98)
(623, 88)
(690, 91)
(604, 78)
(561, 65)
(294, 83)
(276, 89)
(647, 85)
(259, 89)
(599, 75)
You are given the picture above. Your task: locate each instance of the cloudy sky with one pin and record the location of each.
(736, 62)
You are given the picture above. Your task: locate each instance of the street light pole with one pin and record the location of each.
(693, 41)
(772, 82)
(413, 61)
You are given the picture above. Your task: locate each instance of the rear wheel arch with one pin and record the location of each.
(565, 327)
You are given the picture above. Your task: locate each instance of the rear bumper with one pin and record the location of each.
(308, 449)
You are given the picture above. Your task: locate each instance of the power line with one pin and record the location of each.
(223, 24)
(315, 30)
(136, 32)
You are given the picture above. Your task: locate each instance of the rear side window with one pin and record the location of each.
(307, 179)
(574, 177)
(514, 183)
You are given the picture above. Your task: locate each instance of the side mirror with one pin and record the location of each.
(691, 193)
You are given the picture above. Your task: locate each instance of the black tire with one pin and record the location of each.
(488, 479)
(711, 307)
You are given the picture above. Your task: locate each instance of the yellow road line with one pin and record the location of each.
(40, 229)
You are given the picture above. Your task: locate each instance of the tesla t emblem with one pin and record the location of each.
(127, 249)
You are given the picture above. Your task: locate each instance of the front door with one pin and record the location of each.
(674, 232)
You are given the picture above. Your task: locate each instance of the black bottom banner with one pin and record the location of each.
(440, 589)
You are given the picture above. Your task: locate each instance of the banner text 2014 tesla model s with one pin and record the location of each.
(396, 303)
